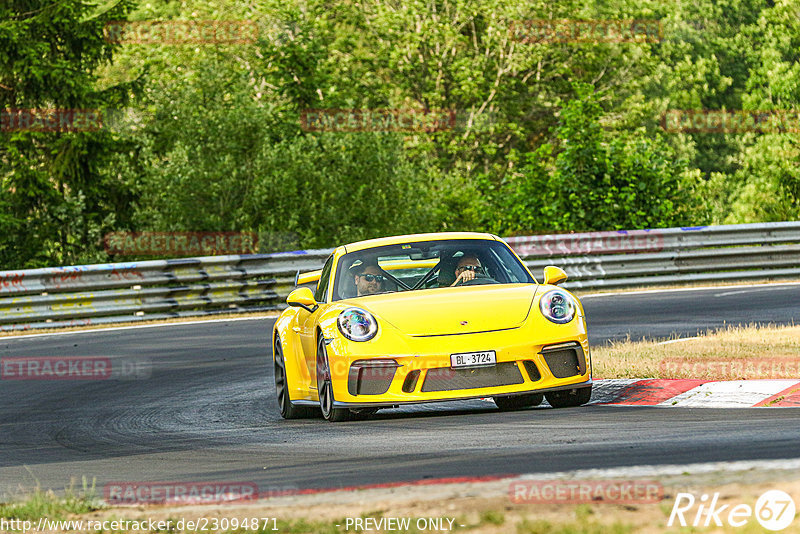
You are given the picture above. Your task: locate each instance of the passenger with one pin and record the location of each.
(369, 279)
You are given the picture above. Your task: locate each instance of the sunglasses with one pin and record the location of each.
(373, 277)
(473, 268)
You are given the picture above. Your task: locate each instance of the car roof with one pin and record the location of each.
(414, 238)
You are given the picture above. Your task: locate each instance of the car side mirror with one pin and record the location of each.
(554, 275)
(304, 298)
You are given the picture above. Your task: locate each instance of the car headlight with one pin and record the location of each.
(357, 325)
(558, 306)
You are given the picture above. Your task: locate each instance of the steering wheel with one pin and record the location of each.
(478, 280)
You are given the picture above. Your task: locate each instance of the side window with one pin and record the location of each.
(324, 278)
(514, 272)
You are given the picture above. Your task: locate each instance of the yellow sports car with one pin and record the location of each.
(424, 318)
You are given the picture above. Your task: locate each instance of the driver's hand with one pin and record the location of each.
(465, 276)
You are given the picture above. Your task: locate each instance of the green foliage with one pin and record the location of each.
(768, 182)
(334, 189)
(597, 183)
(582, 167)
(529, 200)
(56, 197)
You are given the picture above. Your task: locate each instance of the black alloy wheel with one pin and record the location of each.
(325, 388)
(288, 410)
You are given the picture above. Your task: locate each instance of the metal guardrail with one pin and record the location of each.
(134, 291)
(630, 258)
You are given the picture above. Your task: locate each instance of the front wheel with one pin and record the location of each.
(517, 402)
(568, 398)
(288, 410)
(325, 388)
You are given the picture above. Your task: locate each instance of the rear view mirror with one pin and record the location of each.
(554, 275)
(302, 297)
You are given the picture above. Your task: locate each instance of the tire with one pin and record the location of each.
(517, 402)
(287, 409)
(325, 388)
(568, 398)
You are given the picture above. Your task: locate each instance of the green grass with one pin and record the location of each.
(492, 517)
(46, 504)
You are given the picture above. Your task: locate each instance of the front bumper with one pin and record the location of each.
(383, 404)
(521, 368)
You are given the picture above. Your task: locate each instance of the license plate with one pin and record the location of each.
(473, 359)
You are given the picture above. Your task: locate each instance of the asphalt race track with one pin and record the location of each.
(207, 412)
(661, 314)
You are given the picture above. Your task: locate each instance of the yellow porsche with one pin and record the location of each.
(428, 318)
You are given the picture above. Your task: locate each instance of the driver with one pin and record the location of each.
(369, 279)
(468, 266)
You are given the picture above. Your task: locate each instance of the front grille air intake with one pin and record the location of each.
(447, 379)
(565, 359)
(533, 371)
(371, 377)
(411, 381)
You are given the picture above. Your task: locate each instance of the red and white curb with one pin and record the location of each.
(697, 393)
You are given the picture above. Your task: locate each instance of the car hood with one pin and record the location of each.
(448, 311)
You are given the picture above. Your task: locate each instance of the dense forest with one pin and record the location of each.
(536, 130)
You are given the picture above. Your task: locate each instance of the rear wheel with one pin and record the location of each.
(325, 388)
(517, 402)
(288, 410)
(569, 397)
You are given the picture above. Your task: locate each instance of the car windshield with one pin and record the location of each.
(422, 265)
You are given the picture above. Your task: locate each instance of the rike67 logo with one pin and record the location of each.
(774, 510)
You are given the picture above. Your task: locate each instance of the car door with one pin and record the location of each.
(308, 323)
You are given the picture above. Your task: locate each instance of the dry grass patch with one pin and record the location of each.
(475, 508)
(734, 353)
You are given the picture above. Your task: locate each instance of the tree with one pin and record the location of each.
(597, 183)
(56, 198)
